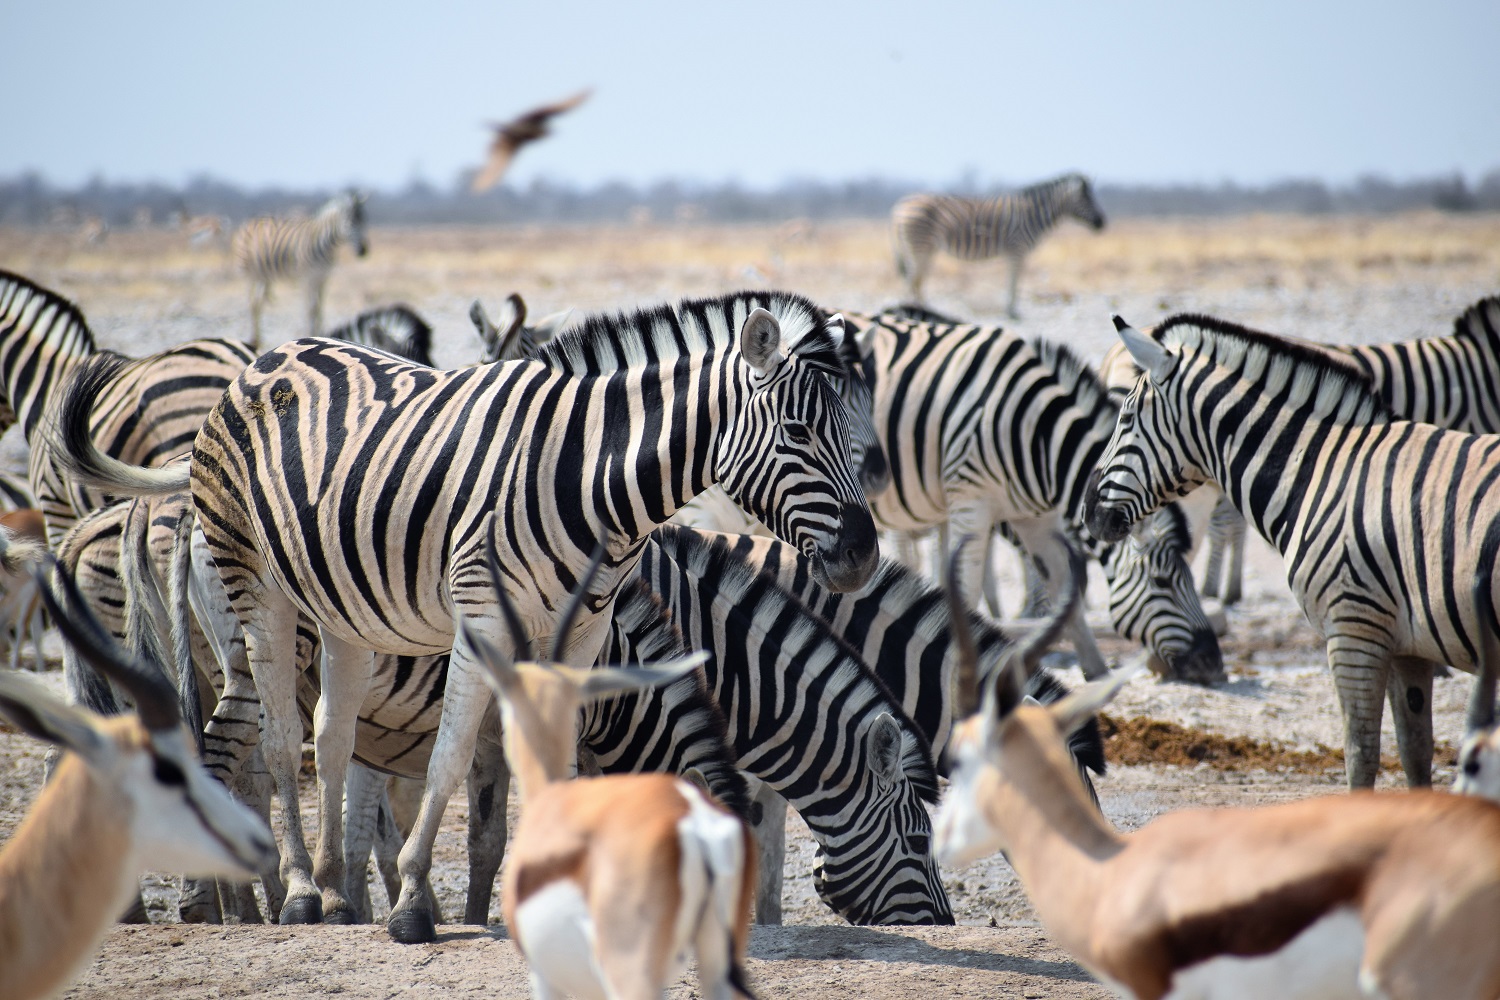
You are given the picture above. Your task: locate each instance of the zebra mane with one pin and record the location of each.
(31, 288)
(1310, 372)
(1055, 182)
(1177, 527)
(712, 558)
(1481, 321)
(1073, 373)
(607, 342)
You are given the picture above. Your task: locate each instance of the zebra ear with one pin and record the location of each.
(884, 747)
(1147, 353)
(760, 342)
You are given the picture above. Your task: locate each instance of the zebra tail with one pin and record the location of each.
(76, 451)
(188, 694)
(144, 613)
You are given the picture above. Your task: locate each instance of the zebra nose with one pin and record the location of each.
(875, 474)
(1106, 523)
(1202, 662)
(850, 560)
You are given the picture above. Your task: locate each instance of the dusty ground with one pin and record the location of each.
(1334, 278)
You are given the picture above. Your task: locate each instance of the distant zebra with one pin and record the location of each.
(437, 457)
(982, 427)
(149, 415)
(1384, 524)
(1451, 381)
(274, 249)
(981, 228)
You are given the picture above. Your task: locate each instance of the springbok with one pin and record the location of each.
(1479, 756)
(128, 798)
(1358, 895)
(23, 544)
(610, 881)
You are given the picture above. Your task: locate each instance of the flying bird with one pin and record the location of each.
(512, 135)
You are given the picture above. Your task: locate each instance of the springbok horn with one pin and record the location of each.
(155, 698)
(575, 603)
(1481, 715)
(524, 651)
(1025, 659)
(966, 672)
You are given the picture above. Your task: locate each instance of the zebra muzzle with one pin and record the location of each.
(850, 558)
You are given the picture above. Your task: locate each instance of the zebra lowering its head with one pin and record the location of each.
(981, 228)
(272, 249)
(1384, 524)
(348, 488)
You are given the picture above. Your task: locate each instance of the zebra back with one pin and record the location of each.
(809, 719)
(396, 328)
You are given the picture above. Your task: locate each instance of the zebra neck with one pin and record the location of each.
(32, 373)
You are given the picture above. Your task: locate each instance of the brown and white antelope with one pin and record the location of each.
(1360, 895)
(129, 797)
(23, 545)
(610, 881)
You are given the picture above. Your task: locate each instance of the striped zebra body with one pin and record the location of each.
(1451, 381)
(423, 464)
(150, 415)
(982, 427)
(806, 717)
(396, 329)
(1384, 524)
(271, 250)
(980, 228)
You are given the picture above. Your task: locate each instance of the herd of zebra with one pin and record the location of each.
(334, 536)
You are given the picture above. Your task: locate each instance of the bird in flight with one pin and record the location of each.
(512, 135)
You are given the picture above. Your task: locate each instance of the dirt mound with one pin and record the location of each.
(1153, 741)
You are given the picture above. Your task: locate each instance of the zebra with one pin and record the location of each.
(274, 249)
(980, 427)
(149, 415)
(707, 382)
(1452, 381)
(397, 329)
(1302, 444)
(981, 228)
(15, 493)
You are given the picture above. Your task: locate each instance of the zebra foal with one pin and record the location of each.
(981, 228)
(1384, 524)
(273, 249)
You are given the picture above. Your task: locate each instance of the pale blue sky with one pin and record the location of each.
(306, 93)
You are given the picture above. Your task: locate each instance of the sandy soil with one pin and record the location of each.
(1334, 278)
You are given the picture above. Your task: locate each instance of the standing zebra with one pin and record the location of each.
(1451, 381)
(149, 415)
(1307, 451)
(414, 483)
(981, 228)
(272, 249)
(981, 427)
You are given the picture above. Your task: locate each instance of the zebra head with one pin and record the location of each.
(1152, 599)
(351, 211)
(785, 456)
(1147, 461)
(874, 862)
(1078, 201)
(864, 443)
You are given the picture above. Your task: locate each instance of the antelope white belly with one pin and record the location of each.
(556, 931)
(1321, 963)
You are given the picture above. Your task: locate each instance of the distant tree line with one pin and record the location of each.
(30, 200)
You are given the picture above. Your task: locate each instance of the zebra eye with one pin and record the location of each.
(168, 773)
(799, 433)
(918, 843)
(1471, 766)
(1162, 582)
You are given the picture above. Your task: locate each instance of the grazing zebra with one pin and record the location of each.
(386, 566)
(981, 427)
(1451, 381)
(397, 329)
(150, 414)
(981, 228)
(272, 249)
(1383, 523)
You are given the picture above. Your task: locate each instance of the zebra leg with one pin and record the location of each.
(465, 699)
(967, 520)
(768, 812)
(1043, 538)
(489, 791)
(260, 293)
(403, 797)
(364, 795)
(1360, 667)
(1015, 283)
(907, 549)
(1409, 690)
(1234, 540)
(347, 671)
(939, 571)
(991, 580)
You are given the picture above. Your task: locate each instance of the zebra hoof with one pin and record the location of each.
(343, 915)
(302, 910)
(411, 927)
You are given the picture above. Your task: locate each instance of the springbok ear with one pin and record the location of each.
(835, 324)
(482, 326)
(884, 749)
(1152, 358)
(1073, 711)
(604, 683)
(760, 342)
(40, 713)
(864, 341)
(550, 326)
